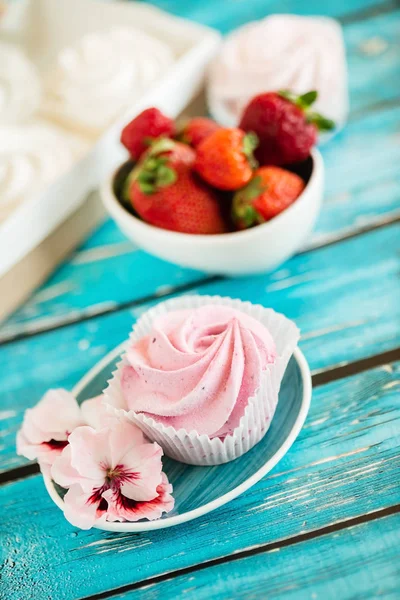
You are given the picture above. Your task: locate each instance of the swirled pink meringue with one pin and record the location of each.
(198, 368)
(280, 52)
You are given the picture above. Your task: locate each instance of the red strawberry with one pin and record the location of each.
(225, 158)
(271, 190)
(166, 193)
(286, 128)
(144, 128)
(198, 129)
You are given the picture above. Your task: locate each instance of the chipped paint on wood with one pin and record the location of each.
(359, 192)
(325, 479)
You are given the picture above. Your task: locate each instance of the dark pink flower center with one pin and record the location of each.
(56, 444)
(97, 498)
(126, 503)
(115, 476)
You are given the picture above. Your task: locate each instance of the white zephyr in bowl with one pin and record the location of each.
(255, 250)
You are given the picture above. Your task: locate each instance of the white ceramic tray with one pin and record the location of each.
(43, 28)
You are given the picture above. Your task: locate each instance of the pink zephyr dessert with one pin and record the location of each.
(201, 376)
(276, 53)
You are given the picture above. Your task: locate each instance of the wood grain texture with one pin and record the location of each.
(242, 11)
(345, 305)
(361, 191)
(329, 567)
(348, 447)
(345, 297)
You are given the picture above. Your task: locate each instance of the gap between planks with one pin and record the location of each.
(274, 546)
(91, 312)
(369, 12)
(318, 379)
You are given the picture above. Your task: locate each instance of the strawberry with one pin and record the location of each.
(165, 192)
(285, 126)
(138, 134)
(198, 129)
(271, 190)
(225, 158)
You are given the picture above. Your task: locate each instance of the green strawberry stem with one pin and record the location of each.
(304, 101)
(250, 143)
(253, 189)
(321, 122)
(154, 172)
(159, 145)
(243, 212)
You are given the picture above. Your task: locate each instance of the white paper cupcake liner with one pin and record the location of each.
(190, 447)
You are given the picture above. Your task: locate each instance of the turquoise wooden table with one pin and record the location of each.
(325, 522)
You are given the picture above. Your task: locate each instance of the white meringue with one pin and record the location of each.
(98, 78)
(280, 52)
(32, 156)
(20, 87)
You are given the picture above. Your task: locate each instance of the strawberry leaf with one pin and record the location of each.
(307, 99)
(288, 95)
(154, 172)
(304, 101)
(250, 143)
(253, 189)
(146, 187)
(250, 216)
(165, 176)
(151, 164)
(246, 216)
(321, 122)
(161, 145)
(125, 192)
(243, 212)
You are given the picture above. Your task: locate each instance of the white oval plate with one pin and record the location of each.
(199, 490)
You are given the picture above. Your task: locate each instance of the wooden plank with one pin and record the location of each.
(348, 447)
(358, 562)
(242, 11)
(373, 48)
(345, 304)
(341, 304)
(108, 272)
(361, 191)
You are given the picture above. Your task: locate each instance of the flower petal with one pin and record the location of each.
(90, 452)
(142, 469)
(63, 473)
(121, 508)
(95, 413)
(55, 415)
(45, 453)
(79, 511)
(123, 437)
(25, 447)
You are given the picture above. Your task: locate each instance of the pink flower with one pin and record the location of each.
(46, 427)
(113, 474)
(95, 413)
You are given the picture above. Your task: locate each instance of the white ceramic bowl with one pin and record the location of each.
(254, 250)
